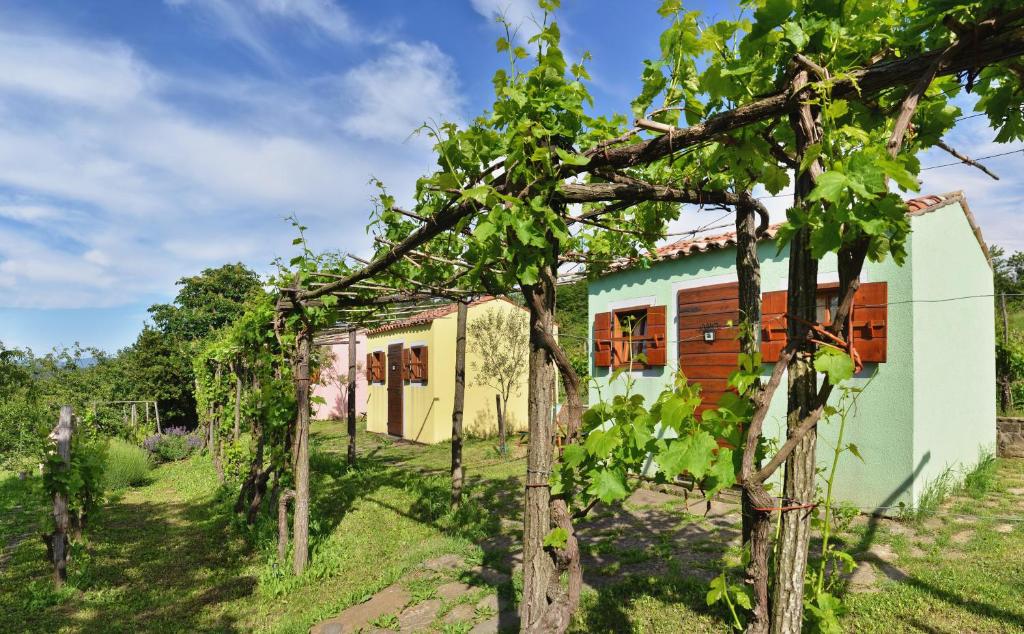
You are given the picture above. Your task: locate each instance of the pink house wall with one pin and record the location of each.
(332, 385)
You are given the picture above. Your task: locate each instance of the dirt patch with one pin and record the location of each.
(1003, 528)
(862, 579)
(962, 537)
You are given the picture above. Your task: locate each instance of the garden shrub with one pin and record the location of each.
(127, 465)
(175, 443)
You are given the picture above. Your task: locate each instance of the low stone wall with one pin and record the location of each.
(1010, 437)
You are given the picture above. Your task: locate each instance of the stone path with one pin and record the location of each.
(651, 535)
(442, 592)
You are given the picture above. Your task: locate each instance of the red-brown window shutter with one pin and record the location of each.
(406, 364)
(657, 346)
(603, 340)
(869, 321)
(423, 364)
(773, 325)
(369, 367)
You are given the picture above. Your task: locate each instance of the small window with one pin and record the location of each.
(629, 336)
(417, 370)
(378, 367)
(826, 306)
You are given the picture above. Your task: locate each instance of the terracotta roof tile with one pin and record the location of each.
(430, 315)
(703, 244)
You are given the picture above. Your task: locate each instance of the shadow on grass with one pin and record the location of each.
(143, 567)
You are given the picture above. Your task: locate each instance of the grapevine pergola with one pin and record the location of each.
(486, 227)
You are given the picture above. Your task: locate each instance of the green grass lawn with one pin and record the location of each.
(168, 556)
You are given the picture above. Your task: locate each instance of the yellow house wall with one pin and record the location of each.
(427, 409)
(480, 417)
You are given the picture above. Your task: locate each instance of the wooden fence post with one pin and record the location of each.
(460, 399)
(58, 544)
(156, 410)
(351, 400)
(1005, 393)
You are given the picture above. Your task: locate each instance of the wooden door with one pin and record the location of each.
(707, 343)
(395, 386)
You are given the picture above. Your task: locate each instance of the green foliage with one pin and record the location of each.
(127, 465)
(622, 434)
(557, 538)
(171, 448)
(23, 416)
(573, 328)
(980, 480)
(823, 608)
(835, 364)
(206, 302)
(733, 595)
(82, 481)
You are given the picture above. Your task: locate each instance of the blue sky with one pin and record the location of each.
(141, 141)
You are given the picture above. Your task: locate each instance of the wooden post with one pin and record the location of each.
(351, 400)
(238, 403)
(146, 405)
(1006, 393)
(460, 399)
(501, 425)
(300, 529)
(156, 410)
(58, 545)
(135, 416)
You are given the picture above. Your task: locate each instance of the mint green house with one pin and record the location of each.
(925, 332)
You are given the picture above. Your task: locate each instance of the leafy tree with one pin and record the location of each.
(206, 302)
(573, 329)
(1008, 275)
(156, 368)
(500, 342)
(23, 420)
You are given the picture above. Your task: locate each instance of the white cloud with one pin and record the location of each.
(522, 15)
(322, 14)
(387, 93)
(107, 197)
(247, 20)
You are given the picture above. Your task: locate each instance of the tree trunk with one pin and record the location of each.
(215, 447)
(537, 565)
(459, 403)
(756, 523)
(351, 400)
(546, 606)
(799, 479)
(58, 542)
(282, 524)
(748, 273)
(252, 489)
(238, 405)
(300, 530)
(502, 448)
